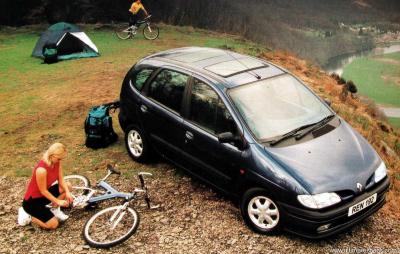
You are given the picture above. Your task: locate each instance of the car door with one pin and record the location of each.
(206, 117)
(160, 110)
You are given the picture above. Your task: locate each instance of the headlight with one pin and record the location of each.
(380, 172)
(319, 201)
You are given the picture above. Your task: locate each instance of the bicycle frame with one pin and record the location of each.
(110, 193)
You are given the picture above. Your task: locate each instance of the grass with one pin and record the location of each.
(377, 77)
(41, 104)
(394, 121)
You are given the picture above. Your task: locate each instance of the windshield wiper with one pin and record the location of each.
(289, 134)
(292, 133)
(317, 125)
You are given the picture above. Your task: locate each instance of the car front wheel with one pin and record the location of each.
(260, 212)
(136, 144)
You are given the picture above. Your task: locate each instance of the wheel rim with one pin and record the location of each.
(150, 32)
(135, 143)
(77, 181)
(263, 212)
(123, 34)
(101, 231)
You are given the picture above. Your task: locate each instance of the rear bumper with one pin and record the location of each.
(305, 222)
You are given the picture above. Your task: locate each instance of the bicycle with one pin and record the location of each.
(150, 31)
(112, 225)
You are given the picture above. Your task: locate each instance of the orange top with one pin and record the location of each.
(136, 7)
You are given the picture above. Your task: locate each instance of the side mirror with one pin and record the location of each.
(229, 137)
(328, 102)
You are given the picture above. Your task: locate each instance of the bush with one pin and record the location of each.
(351, 87)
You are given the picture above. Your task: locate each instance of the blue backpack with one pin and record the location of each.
(98, 126)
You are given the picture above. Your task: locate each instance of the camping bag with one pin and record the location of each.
(50, 53)
(98, 127)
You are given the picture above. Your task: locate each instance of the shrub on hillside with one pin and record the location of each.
(351, 87)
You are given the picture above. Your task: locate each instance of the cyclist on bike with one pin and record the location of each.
(135, 9)
(42, 191)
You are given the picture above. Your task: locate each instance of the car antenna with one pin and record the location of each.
(248, 69)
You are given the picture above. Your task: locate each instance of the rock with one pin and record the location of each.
(78, 248)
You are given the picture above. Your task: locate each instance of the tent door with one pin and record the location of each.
(69, 44)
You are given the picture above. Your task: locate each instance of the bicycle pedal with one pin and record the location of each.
(153, 207)
(145, 174)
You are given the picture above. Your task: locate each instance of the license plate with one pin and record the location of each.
(362, 205)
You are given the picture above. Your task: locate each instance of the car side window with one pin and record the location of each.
(168, 88)
(141, 77)
(208, 111)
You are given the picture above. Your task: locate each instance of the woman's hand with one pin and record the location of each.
(69, 197)
(62, 203)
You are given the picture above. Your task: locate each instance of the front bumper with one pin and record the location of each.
(305, 222)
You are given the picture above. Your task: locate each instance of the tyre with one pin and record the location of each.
(77, 181)
(151, 32)
(136, 144)
(123, 33)
(110, 227)
(260, 212)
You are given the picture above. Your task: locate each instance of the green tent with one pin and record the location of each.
(71, 42)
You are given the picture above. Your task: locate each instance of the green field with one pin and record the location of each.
(41, 104)
(377, 77)
(394, 121)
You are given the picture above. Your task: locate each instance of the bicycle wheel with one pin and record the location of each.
(123, 33)
(77, 181)
(151, 32)
(110, 227)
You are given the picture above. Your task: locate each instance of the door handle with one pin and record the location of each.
(189, 135)
(143, 108)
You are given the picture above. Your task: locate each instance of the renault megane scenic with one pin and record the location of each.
(253, 130)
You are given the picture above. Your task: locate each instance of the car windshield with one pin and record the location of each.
(278, 105)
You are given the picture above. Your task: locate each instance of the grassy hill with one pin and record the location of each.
(41, 104)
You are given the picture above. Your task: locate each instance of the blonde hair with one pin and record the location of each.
(54, 149)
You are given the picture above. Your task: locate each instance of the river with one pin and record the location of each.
(336, 64)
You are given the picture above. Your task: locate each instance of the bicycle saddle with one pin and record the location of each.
(112, 169)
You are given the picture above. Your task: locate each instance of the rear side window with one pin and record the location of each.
(141, 77)
(208, 111)
(168, 88)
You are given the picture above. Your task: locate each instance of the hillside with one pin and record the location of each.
(41, 104)
(311, 29)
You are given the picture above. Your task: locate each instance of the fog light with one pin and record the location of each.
(323, 227)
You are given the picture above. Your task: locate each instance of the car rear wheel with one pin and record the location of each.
(136, 144)
(260, 212)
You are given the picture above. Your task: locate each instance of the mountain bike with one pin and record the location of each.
(112, 225)
(150, 31)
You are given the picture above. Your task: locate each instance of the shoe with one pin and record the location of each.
(23, 218)
(59, 214)
(133, 29)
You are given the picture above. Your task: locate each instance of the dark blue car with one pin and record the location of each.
(256, 132)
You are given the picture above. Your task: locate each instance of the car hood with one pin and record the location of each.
(337, 160)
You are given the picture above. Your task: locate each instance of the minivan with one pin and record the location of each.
(254, 131)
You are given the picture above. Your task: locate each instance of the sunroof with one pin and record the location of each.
(234, 66)
(194, 56)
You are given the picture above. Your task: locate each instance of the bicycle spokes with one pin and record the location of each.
(111, 226)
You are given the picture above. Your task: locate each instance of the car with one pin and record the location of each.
(254, 131)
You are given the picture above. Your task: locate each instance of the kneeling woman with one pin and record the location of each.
(42, 190)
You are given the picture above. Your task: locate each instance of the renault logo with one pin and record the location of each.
(359, 187)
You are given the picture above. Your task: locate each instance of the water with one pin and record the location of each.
(336, 64)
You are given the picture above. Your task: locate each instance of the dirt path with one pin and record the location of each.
(192, 219)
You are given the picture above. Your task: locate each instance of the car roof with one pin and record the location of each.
(228, 68)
